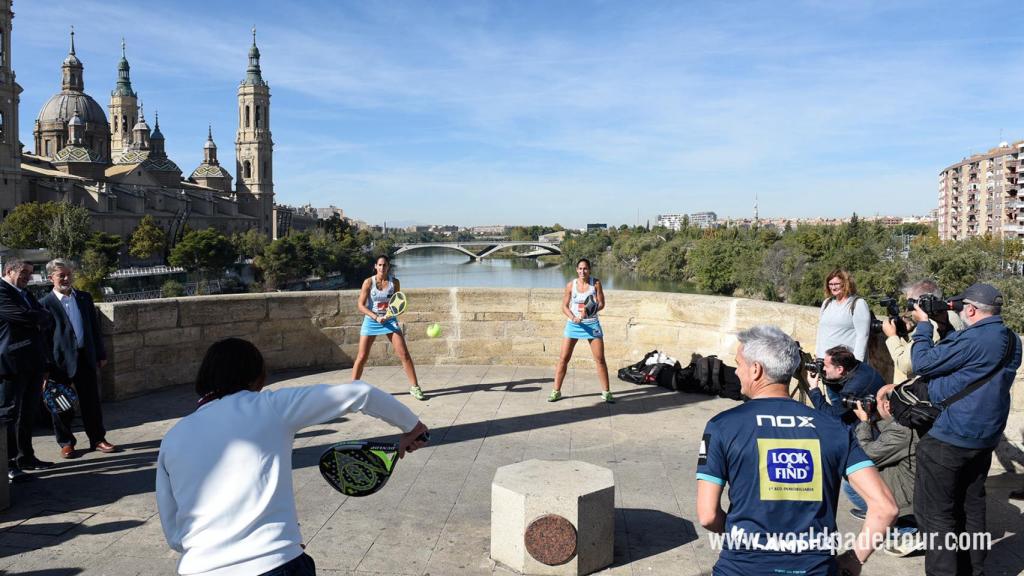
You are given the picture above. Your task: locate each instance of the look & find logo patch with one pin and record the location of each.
(789, 469)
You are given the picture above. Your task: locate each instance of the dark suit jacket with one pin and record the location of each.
(64, 346)
(23, 327)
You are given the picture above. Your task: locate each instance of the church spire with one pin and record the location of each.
(253, 76)
(71, 70)
(124, 81)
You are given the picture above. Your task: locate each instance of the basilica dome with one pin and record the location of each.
(61, 107)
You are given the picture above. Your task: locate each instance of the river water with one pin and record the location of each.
(440, 268)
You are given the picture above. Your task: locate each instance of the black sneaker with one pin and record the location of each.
(34, 464)
(858, 513)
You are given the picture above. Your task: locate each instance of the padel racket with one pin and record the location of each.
(396, 305)
(360, 468)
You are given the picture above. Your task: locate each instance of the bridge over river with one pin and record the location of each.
(480, 249)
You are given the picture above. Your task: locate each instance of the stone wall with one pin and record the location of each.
(160, 343)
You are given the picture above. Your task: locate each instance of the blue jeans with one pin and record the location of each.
(903, 525)
(855, 498)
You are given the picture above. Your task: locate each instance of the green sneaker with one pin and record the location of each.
(607, 397)
(417, 393)
(555, 396)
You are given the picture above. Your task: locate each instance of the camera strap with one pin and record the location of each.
(1007, 357)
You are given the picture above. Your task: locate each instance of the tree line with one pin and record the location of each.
(790, 265)
(65, 230)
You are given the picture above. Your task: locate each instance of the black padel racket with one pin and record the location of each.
(360, 468)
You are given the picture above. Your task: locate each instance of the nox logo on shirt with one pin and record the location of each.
(789, 469)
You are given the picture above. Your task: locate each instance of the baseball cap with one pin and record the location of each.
(982, 294)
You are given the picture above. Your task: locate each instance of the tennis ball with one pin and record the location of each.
(434, 330)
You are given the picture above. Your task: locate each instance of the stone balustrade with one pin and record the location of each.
(159, 343)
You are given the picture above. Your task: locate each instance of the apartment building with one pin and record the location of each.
(979, 195)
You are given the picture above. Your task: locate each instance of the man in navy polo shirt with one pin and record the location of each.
(953, 458)
(784, 463)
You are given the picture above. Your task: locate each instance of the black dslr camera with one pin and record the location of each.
(867, 403)
(892, 310)
(815, 368)
(930, 303)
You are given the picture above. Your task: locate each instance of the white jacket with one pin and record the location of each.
(224, 473)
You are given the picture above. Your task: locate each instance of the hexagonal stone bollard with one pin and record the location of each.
(553, 517)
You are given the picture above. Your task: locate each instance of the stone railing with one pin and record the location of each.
(159, 343)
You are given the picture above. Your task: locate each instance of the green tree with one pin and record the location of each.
(68, 232)
(107, 244)
(27, 225)
(249, 244)
(205, 251)
(94, 268)
(148, 239)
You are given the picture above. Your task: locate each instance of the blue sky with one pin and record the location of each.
(556, 111)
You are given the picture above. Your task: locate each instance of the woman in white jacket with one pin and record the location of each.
(224, 473)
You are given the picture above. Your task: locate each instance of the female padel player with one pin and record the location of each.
(373, 303)
(583, 299)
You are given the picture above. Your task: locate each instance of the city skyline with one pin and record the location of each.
(572, 113)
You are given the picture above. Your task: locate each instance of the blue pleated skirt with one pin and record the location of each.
(583, 330)
(374, 328)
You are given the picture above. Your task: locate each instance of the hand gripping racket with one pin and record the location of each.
(396, 305)
(360, 468)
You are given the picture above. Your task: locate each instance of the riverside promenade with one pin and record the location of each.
(97, 515)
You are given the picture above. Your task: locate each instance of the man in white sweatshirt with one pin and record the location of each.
(224, 473)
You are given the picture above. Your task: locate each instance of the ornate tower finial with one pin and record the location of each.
(122, 47)
(254, 35)
(72, 39)
(209, 132)
(252, 73)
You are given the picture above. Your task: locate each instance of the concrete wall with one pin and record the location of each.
(158, 343)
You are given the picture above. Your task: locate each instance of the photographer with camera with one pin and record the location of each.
(844, 379)
(892, 447)
(969, 374)
(928, 295)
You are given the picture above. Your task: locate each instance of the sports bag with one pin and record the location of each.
(909, 403)
(637, 373)
(59, 398)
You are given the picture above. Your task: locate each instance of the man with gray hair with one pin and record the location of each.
(954, 456)
(943, 322)
(784, 463)
(78, 354)
(23, 365)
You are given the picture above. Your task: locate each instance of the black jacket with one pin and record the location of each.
(23, 329)
(62, 340)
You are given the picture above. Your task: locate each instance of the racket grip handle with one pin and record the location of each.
(425, 437)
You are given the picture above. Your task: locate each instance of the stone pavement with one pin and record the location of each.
(97, 514)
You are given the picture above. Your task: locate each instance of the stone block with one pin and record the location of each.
(492, 300)
(553, 517)
(303, 305)
(171, 336)
(214, 332)
(157, 314)
(119, 318)
(222, 309)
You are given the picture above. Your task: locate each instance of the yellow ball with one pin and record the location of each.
(434, 330)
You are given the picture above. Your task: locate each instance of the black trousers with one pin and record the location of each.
(299, 566)
(949, 498)
(20, 396)
(87, 387)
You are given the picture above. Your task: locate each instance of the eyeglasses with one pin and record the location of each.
(835, 284)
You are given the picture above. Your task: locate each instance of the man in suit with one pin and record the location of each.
(78, 354)
(24, 363)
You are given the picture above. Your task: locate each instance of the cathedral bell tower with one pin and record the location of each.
(124, 108)
(254, 147)
(10, 96)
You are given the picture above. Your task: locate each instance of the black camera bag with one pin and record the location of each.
(909, 403)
